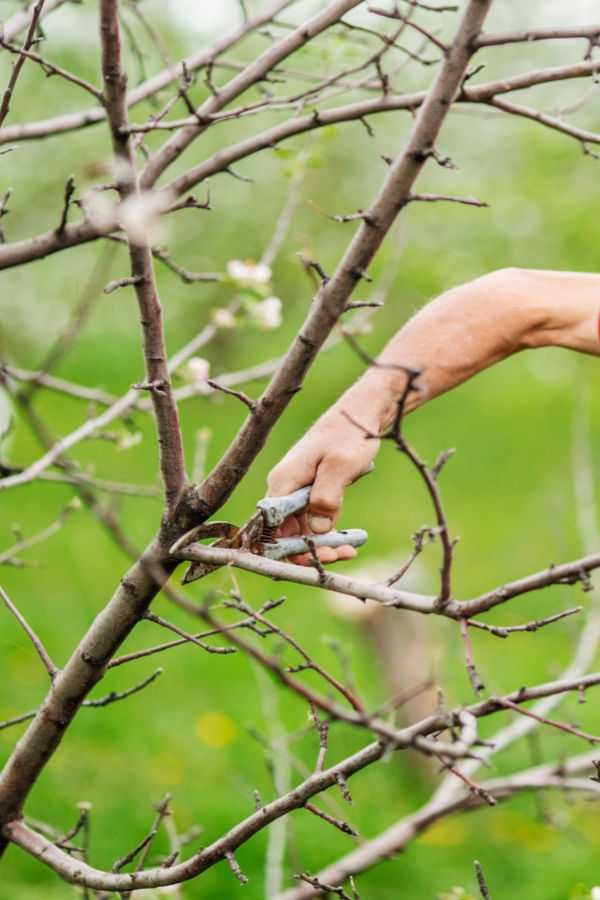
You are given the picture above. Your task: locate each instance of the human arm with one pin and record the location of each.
(465, 330)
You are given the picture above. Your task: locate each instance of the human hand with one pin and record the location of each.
(331, 455)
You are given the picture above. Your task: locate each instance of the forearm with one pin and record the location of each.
(471, 327)
(464, 331)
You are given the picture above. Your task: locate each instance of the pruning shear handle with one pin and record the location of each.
(275, 510)
(292, 546)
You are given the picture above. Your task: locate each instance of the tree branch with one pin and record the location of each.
(16, 71)
(170, 441)
(41, 651)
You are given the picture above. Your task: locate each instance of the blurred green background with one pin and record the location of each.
(199, 731)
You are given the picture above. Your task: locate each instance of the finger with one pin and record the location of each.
(303, 522)
(325, 555)
(290, 527)
(346, 551)
(289, 475)
(302, 559)
(327, 493)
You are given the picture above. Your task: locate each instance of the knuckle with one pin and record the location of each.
(324, 501)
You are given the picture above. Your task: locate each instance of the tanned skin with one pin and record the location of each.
(465, 330)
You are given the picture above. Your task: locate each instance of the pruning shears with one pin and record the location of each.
(258, 535)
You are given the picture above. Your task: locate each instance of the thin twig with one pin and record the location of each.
(562, 726)
(476, 682)
(143, 847)
(239, 395)
(5, 104)
(503, 631)
(158, 620)
(41, 651)
(481, 882)
(337, 823)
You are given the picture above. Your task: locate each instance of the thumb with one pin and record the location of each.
(327, 494)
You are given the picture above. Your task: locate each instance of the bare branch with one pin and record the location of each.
(342, 826)
(476, 682)
(41, 651)
(142, 849)
(52, 69)
(309, 662)
(535, 625)
(69, 191)
(115, 696)
(388, 843)
(482, 883)
(121, 282)
(158, 620)
(567, 573)
(253, 73)
(235, 867)
(396, 14)
(165, 408)
(11, 556)
(85, 118)
(394, 839)
(16, 71)
(569, 729)
(321, 887)
(99, 703)
(516, 109)
(36, 248)
(240, 395)
(539, 34)
(436, 198)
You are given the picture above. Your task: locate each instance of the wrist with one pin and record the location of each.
(373, 400)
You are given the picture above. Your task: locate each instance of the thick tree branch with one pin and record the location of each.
(566, 573)
(142, 273)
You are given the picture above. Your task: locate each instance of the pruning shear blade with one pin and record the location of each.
(258, 534)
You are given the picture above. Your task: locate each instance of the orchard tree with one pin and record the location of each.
(158, 160)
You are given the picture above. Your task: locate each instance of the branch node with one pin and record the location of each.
(122, 282)
(158, 386)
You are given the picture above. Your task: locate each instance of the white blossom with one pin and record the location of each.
(197, 370)
(249, 272)
(140, 213)
(122, 170)
(267, 313)
(101, 209)
(223, 318)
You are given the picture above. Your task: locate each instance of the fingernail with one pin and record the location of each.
(320, 524)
